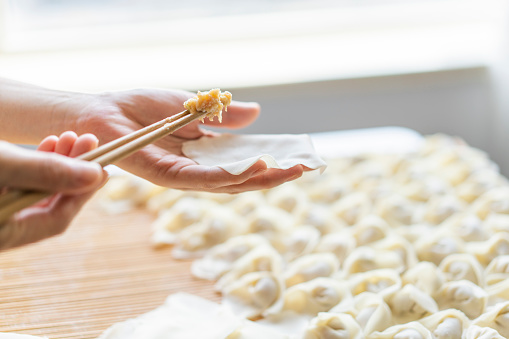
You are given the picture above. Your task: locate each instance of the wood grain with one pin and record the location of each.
(101, 271)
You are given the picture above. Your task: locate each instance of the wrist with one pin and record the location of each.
(29, 113)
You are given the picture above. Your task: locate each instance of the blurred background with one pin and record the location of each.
(436, 66)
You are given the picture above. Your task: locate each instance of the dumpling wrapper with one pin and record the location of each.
(236, 153)
(178, 318)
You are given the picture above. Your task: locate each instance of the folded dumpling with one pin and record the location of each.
(409, 304)
(439, 208)
(261, 259)
(352, 207)
(320, 217)
(245, 203)
(463, 295)
(423, 190)
(462, 267)
(253, 294)
(300, 241)
(217, 225)
(498, 292)
(270, 222)
(493, 201)
(165, 200)
(123, 192)
(309, 267)
(369, 229)
(396, 210)
(381, 282)
(476, 332)
(486, 251)
(221, 258)
(496, 317)
(333, 326)
(288, 197)
(317, 295)
(184, 213)
(369, 310)
(497, 271)
(446, 324)
(467, 226)
(365, 258)
(341, 244)
(426, 276)
(411, 330)
(497, 223)
(329, 189)
(437, 246)
(400, 246)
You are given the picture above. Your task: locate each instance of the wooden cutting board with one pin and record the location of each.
(101, 271)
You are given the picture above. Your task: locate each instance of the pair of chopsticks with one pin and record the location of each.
(16, 200)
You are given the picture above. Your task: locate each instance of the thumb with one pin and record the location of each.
(51, 172)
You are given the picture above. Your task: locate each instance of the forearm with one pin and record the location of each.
(28, 113)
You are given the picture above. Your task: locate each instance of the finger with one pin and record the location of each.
(38, 223)
(22, 168)
(271, 178)
(65, 143)
(48, 144)
(204, 178)
(238, 114)
(83, 144)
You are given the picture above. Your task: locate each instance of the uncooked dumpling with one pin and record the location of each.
(288, 197)
(447, 324)
(341, 244)
(476, 332)
(333, 326)
(218, 224)
(381, 282)
(317, 295)
(365, 258)
(369, 229)
(486, 251)
(497, 271)
(309, 267)
(409, 304)
(412, 330)
(270, 222)
(462, 267)
(300, 241)
(464, 296)
(184, 213)
(369, 309)
(497, 317)
(493, 201)
(352, 207)
(436, 247)
(253, 294)
(222, 257)
(426, 276)
(261, 259)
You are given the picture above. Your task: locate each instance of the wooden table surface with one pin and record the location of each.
(101, 271)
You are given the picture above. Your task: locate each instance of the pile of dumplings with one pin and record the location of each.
(410, 246)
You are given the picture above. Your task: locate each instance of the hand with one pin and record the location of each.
(73, 182)
(113, 115)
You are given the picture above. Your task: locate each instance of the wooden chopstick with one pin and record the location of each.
(16, 200)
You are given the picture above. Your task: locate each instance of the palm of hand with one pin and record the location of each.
(163, 163)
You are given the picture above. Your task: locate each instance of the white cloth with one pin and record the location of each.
(236, 153)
